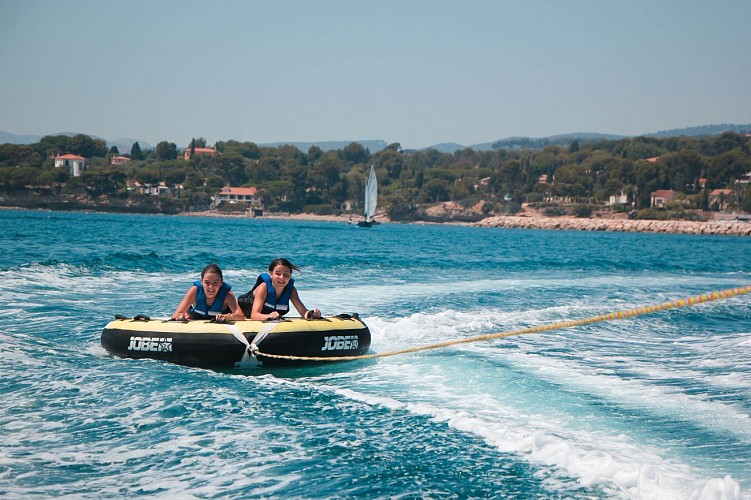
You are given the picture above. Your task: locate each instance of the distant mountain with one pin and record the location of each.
(702, 130)
(584, 137)
(371, 145)
(553, 140)
(123, 144)
(8, 138)
(527, 142)
(449, 147)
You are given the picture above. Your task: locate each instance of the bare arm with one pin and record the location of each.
(182, 310)
(305, 313)
(235, 312)
(259, 297)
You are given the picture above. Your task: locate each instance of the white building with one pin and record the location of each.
(618, 199)
(76, 164)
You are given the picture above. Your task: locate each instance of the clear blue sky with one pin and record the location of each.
(415, 72)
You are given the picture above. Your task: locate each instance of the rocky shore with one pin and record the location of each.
(730, 228)
(621, 225)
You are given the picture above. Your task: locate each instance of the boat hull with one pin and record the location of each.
(216, 345)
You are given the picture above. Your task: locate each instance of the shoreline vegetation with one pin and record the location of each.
(693, 185)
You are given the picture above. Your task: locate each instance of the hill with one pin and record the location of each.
(8, 138)
(123, 144)
(583, 137)
(375, 145)
(448, 147)
(703, 130)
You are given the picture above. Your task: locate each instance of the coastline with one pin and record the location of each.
(278, 216)
(728, 228)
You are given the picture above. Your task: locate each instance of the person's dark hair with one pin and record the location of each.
(212, 268)
(281, 261)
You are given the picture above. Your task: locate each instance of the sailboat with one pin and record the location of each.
(371, 198)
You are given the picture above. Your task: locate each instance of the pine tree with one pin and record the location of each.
(135, 152)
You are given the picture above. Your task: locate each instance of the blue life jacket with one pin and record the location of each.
(200, 311)
(280, 305)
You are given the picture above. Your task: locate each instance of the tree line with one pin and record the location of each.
(317, 181)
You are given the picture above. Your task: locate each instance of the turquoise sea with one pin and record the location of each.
(657, 406)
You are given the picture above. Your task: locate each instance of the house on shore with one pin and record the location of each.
(76, 164)
(119, 160)
(158, 189)
(662, 197)
(235, 195)
(198, 152)
(618, 199)
(721, 198)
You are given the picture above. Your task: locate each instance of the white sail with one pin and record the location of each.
(371, 195)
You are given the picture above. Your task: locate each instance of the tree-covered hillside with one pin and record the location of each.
(568, 177)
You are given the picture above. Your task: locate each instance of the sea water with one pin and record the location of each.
(656, 406)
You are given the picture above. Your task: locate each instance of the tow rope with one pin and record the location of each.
(630, 313)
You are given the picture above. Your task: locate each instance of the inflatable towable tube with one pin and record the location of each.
(209, 344)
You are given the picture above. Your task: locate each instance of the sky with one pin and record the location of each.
(416, 72)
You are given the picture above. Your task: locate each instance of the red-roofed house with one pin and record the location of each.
(119, 160)
(75, 163)
(199, 151)
(721, 197)
(233, 195)
(661, 197)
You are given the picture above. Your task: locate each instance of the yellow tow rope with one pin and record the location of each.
(630, 313)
